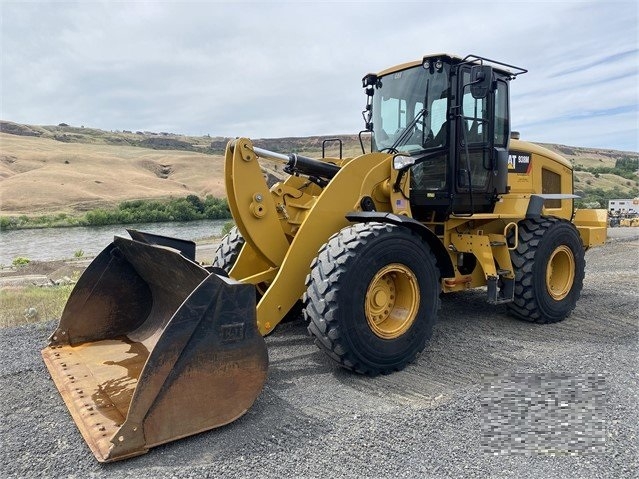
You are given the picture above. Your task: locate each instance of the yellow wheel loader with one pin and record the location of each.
(152, 346)
(631, 222)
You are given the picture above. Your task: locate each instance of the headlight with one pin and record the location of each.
(401, 161)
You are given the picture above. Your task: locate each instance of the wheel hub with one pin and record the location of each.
(560, 272)
(392, 301)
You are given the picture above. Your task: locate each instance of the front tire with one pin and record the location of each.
(549, 267)
(372, 297)
(226, 256)
(228, 250)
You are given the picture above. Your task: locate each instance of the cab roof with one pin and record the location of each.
(508, 70)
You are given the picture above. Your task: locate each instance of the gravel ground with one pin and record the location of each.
(316, 420)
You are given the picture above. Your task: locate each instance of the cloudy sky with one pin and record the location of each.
(270, 69)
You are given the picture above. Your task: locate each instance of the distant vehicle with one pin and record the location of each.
(623, 212)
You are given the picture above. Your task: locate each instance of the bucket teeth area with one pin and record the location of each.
(97, 381)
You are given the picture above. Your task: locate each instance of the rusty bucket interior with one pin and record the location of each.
(152, 347)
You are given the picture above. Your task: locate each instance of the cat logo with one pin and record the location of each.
(518, 162)
(231, 333)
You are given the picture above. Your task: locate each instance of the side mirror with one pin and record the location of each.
(481, 77)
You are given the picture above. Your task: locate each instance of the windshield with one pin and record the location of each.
(401, 98)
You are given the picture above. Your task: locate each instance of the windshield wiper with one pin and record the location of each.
(408, 131)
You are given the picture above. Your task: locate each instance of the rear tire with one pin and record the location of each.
(372, 297)
(549, 270)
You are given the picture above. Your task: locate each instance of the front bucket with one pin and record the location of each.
(151, 347)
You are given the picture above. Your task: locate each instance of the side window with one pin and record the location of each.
(438, 115)
(473, 160)
(475, 113)
(417, 108)
(393, 114)
(502, 126)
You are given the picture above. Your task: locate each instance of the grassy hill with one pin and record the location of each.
(46, 170)
(65, 169)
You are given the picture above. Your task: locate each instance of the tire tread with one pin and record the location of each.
(526, 303)
(323, 287)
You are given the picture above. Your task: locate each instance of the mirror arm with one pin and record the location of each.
(398, 180)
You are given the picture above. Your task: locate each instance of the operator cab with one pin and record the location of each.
(451, 117)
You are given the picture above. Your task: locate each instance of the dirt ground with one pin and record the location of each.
(316, 420)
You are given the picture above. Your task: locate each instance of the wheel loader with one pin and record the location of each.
(630, 222)
(153, 346)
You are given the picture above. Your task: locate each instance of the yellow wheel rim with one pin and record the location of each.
(560, 272)
(392, 301)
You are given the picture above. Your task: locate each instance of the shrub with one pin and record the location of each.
(627, 163)
(20, 261)
(131, 205)
(196, 202)
(99, 218)
(216, 208)
(188, 208)
(6, 223)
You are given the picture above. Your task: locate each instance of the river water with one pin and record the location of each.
(45, 244)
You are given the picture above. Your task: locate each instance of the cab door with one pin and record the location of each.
(481, 141)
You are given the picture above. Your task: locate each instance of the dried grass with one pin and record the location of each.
(32, 304)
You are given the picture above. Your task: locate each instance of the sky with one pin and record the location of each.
(272, 69)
